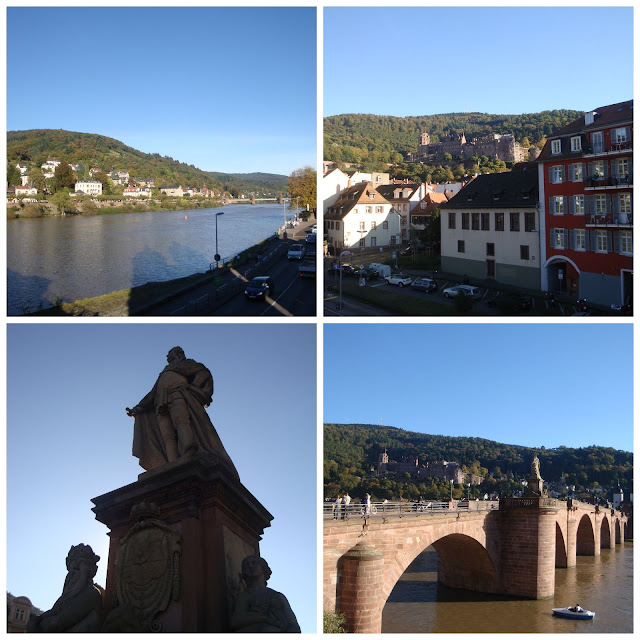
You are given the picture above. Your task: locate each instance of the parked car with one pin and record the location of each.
(398, 279)
(314, 229)
(366, 273)
(347, 270)
(311, 238)
(425, 284)
(510, 303)
(464, 289)
(383, 270)
(296, 252)
(259, 288)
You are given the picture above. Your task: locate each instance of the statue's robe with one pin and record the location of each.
(148, 445)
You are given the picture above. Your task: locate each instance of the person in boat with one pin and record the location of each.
(576, 609)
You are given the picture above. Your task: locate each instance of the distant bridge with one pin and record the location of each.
(512, 547)
(254, 200)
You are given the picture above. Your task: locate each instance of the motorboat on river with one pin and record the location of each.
(576, 612)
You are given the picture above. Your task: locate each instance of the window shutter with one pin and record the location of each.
(617, 243)
(552, 205)
(572, 204)
(551, 174)
(594, 240)
(609, 242)
(572, 239)
(563, 173)
(552, 238)
(565, 240)
(591, 202)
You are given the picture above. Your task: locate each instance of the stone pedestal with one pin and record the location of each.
(528, 551)
(175, 559)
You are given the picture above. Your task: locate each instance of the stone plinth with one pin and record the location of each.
(178, 557)
(528, 551)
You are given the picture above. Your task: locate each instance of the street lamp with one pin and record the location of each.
(344, 253)
(217, 256)
(361, 231)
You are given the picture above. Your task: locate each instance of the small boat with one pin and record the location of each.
(577, 613)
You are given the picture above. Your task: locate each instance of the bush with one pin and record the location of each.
(333, 622)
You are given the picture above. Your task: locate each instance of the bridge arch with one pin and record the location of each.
(561, 548)
(605, 533)
(617, 531)
(585, 537)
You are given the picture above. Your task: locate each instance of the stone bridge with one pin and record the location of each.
(511, 550)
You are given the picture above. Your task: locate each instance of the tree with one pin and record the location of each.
(63, 177)
(302, 185)
(62, 201)
(13, 175)
(107, 185)
(36, 177)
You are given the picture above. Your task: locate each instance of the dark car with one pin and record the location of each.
(259, 288)
(510, 303)
(347, 270)
(428, 285)
(407, 251)
(366, 273)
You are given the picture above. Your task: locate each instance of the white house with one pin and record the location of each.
(404, 196)
(49, 167)
(334, 182)
(491, 229)
(26, 191)
(136, 192)
(172, 190)
(90, 187)
(361, 217)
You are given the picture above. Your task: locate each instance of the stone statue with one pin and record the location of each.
(171, 421)
(535, 468)
(79, 608)
(259, 609)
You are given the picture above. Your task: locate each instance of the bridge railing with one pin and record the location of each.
(330, 510)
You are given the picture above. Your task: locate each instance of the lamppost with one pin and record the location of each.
(217, 256)
(344, 253)
(361, 231)
(451, 481)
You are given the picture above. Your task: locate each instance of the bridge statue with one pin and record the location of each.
(259, 609)
(79, 608)
(171, 422)
(535, 484)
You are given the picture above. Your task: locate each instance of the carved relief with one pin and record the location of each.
(148, 567)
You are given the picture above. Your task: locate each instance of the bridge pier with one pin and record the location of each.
(528, 554)
(360, 598)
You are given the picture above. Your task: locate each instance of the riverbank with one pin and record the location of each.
(140, 300)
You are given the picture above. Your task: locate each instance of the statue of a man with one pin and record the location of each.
(171, 421)
(259, 609)
(535, 467)
(79, 608)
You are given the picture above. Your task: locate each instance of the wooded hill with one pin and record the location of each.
(351, 451)
(356, 137)
(33, 147)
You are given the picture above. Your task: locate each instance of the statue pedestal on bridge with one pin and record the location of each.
(177, 540)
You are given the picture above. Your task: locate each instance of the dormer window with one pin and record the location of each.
(556, 147)
(576, 144)
(372, 196)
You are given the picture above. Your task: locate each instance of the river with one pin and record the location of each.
(603, 584)
(74, 257)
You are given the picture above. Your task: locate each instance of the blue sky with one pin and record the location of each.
(69, 439)
(505, 60)
(224, 89)
(526, 384)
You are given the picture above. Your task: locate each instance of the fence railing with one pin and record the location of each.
(331, 510)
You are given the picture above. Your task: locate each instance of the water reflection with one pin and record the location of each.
(603, 584)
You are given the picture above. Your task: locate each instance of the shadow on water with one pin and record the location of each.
(31, 288)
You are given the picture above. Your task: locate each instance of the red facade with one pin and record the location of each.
(586, 192)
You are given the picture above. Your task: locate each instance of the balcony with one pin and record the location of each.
(612, 182)
(614, 147)
(608, 219)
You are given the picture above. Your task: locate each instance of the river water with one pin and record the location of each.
(603, 584)
(77, 257)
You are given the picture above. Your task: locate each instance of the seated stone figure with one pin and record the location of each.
(79, 608)
(259, 609)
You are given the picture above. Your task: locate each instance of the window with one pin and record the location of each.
(367, 209)
(529, 221)
(385, 224)
(465, 220)
(576, 144)
(579, 239)
(559, 238)
(475, 222)
(373, 226)
(624, 241)
(556, 174)
(373, 241)
(556, 205)
(514, 221)
(524, 252)
(452, 219)
(597, 142)
(361, 226)
(602, 242)
(393, 240)
(622, 134)
(624, 203)
(620, 168)
(372, 196)
(460, 246)
(362, 242)
(404, 221)
(484, 221)
(576, 205)
(597, 169)
(378, 209)
(337, 225)
(599, 204)
(499, 226)
(491, 249)
(556, 147)
(491, 268)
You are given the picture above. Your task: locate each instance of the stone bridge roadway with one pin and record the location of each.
(512, 550)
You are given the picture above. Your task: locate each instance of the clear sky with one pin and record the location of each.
(223, 89)
(525, 384)
(69, 438)
(403, 61)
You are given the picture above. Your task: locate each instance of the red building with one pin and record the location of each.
(586, 207)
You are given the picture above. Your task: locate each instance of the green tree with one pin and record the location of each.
(36, 177)
(302, 185)
(63, 177)
(13, 174)
(107, 185)
(62, 201)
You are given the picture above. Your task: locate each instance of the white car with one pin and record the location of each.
(398, 279)
(464, 289)
(296, 252)
(314, 229)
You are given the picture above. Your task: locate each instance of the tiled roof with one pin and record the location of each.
(357, 194)
(387, 190)
(491, 190)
